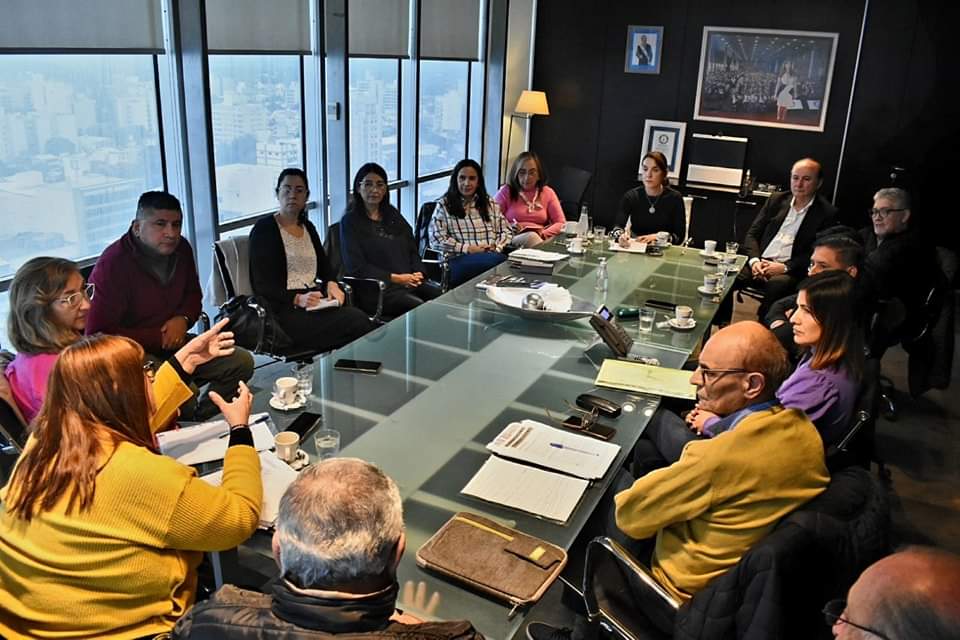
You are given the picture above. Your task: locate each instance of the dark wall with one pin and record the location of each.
(598, 110)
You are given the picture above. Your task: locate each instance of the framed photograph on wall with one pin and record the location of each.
(765, 77)
(644, 45)
(667, 137)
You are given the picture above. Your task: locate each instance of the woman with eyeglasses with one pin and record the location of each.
(378, 243)
(49, 302)
(529, 204)
(290, 270)
(467, 225)
(100, 534)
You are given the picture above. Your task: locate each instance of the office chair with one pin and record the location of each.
(375, 286)
(435, 262)
(13, 426)
(571, 188)
(857, 444)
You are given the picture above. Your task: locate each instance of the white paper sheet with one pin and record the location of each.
(202, 442)
(276, 476)
(545, 493)
(538, 255)
(547, 446)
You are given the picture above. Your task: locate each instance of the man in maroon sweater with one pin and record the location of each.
(148, 290)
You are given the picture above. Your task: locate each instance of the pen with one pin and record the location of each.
(560, 445)
(257, 421)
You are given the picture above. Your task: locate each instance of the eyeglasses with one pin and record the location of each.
(287, 190)
(149, 370)
(73, 300)
(883, 213)
(718, 373)
(533, 173)
(587, 418)
(833, 613)
(373, 186)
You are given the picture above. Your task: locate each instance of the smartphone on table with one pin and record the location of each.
(361, 366)
(596, 429)
(304, 422)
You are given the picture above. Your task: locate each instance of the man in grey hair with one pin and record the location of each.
(900, 263)
(338, 541)
(914, 593)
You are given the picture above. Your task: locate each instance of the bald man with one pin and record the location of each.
(914, 593)
(725, 494)
(780, 239)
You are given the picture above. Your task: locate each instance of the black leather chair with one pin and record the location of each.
(857, 445)
(13, 427)
(776, 590)
(435, 262)
(571, 187)
(373, 287)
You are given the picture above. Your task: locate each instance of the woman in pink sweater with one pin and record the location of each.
(529, 204)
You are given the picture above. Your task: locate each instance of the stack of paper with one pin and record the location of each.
(645, 378)
(276, 476)
(203, 442)
(534, 490)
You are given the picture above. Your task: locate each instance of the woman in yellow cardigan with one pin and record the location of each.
(100, 535)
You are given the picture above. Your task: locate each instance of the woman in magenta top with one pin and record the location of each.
(529, 204)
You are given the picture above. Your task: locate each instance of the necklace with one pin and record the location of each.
(532, 204)
(653, 203)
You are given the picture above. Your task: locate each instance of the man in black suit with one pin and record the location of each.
(780, 240)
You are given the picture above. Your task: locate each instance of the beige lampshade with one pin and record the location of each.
(533, 103)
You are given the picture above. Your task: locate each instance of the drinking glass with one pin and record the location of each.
(600, 235)
(303, 372)
(733, 247)
(327, 442)
(647, 316)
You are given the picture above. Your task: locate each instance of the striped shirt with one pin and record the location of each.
(450, 234)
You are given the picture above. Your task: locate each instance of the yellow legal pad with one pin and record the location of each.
(645, 378)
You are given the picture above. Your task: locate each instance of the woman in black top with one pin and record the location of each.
(289, 269)
(653, 206)
(378, 243)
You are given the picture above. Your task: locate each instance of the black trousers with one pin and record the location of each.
(323, 330)
(398, 300)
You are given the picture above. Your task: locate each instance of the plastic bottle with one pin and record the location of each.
(603, 280)
(747, 185)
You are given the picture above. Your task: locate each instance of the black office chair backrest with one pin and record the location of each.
(571, 185)
(13, 428)
(421, 231)
(857, 444)
(331, 246)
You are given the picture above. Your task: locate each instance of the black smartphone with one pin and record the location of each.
(363, 366)
(660, 304)
(596, 429)
(304, 422)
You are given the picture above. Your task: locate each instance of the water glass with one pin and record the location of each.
(733, 247)
(327, 442)
(600, 235)
(647, 317)
(303, 372)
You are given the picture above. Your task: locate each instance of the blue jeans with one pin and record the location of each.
(470, 265)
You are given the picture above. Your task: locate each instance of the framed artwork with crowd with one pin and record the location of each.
(765, 77)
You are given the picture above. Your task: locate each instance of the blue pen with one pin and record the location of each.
(560, 445)
(257, 421)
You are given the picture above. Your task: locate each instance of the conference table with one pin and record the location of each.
(459, 369)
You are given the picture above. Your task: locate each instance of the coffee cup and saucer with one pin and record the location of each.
(286, 395)
(575, 246)
(711, 284)
(286, 443)
(683, 319)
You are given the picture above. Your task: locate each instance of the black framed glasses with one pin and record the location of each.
(73, 300)
(587, 418)
(716, 374)
(833, 613)
(883, 213)
(150, 370)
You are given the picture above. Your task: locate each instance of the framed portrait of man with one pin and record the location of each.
(765, 77)
(644, 46)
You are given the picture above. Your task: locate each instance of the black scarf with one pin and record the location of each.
(324, 611)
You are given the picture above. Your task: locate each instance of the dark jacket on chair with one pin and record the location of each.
(766, 225)
(293, 614)
(814, 555)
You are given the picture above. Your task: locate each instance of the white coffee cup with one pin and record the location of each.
(709, 247)
(285, 389)
(572, 226)
(286, 443)
(683, 314)
(710, 281)
(575, 245)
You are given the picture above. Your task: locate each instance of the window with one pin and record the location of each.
(79, 143)
(432, 190)
(374, 114)
(443, 114)
(257, 116)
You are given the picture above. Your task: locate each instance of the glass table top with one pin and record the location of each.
(459, 369)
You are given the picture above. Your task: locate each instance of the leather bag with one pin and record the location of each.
(253, 326)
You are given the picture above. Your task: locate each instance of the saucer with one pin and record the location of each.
(280, 406)
(301, 461)
(703, 252)
(708, 292)
(576, 253)
(711, 260)
(687, 326)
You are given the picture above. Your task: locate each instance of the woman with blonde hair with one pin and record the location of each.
(49, 302)
(100, 534)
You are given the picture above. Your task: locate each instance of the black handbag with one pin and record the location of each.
(253, 326)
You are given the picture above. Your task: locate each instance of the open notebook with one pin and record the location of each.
(276, 475)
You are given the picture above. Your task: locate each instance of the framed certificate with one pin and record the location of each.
(666, 137)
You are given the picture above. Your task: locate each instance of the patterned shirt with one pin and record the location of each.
(301, 260)
(450, 234)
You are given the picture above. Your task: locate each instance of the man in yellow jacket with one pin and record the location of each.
(726, 493)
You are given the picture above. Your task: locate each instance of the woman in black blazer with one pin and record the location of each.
(289, 269)
(378, 243)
